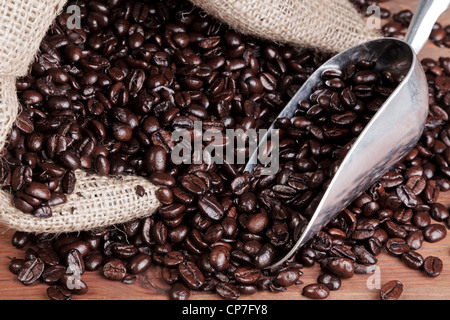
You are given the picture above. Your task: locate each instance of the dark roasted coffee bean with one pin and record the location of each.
(431, 192)
(316, 291)
(162, 179)
(114, 270)
(165, 195)
(191, 275)
(193, 184)
(179, 291)
(219, 257)
(407, 196)
(247, 275)
(247, 202)
(139, 263)
(391, 290)
(58, 292)
(69, 160)
(38, 190)
(240, 185)
(155, 159)
(432, 266)
(53, 274)
(439, 212)
(124, 251)
(413, 259)
(434, 232)
(21, 239)
(93, 261)
(287, 277)
(331, 281)
(31, 271)
(68, 182)
(48, 256)
(211, 208)
(391, 179)
(397, 246)
(227, 291)
(265, 256)
(395, 230)
(415, 239)
(15, 265)
(342, 267)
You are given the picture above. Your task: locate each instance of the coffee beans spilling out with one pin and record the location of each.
(107, 97)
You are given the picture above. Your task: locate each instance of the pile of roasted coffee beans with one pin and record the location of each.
(106, 98)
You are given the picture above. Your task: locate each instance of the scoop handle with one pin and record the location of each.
(425, 16)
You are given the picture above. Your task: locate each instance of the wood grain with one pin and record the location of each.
(150, 286)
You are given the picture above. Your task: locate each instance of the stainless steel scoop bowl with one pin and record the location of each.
(393, 131)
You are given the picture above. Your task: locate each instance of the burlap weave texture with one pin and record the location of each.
(326, 25)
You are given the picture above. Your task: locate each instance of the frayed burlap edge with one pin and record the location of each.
(23, 25)
(329, 26)
(9, 107)
(95, 203)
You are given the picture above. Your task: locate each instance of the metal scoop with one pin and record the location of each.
(393, 131)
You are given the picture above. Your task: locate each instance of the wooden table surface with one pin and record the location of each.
(417, 286)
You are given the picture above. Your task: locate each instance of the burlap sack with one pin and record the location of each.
(97, 201)
(326, 25)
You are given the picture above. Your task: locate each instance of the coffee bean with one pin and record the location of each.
(31, 271)
(414, 240)
(287, 277)
(165, 195)
(15, 265)
(179, 291)
(247, 275)
(316, 291)
(191, 275)
(69, 160)
(413, 259)
(20, 239)
(114, 270)
(219, 257)
(331, 281)
(439, 212)
(342, 267)
(265, 256)
(58, 293)
(38, 190)
(68, 182)
(432, 266)
(53, 274)
(93, 261)
(434, 232)
(397, 246)
(391, 290)
(211, 208)
(155, 159)
(139, 263)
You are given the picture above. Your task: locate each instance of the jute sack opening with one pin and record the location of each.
(325, 25)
